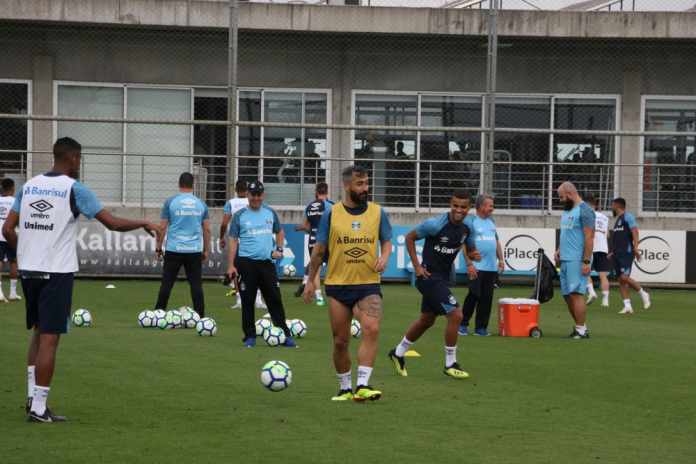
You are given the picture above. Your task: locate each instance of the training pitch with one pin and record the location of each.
(136, 395)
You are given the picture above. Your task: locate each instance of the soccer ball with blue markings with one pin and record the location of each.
(289, 270)
(276, 375)
(355, 328)
(298, 328)
(206, 327)
(146, 318)
(274, 336)
(173, 319)
(189, 318)
(262, 325)
(160, 319)
(82, 318)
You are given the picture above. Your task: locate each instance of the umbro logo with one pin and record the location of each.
(355, 225)
(41, 206)
(444, 239)
(355, 252)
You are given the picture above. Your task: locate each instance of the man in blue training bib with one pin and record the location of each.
(575, 254)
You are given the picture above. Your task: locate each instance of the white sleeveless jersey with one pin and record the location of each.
(5, 207)
(600, 235)
(237, 203)
(47, 226)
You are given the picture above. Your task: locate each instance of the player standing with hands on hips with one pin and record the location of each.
(351, 232)
(46, 211)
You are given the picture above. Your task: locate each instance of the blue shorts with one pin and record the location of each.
(48, 300)
(350, 295)
(7, 253)
(437, 297)
(572, 278)
(623, 263)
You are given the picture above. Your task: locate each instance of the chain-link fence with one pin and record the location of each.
(429, 100)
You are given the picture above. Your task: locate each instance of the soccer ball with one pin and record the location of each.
(173, 319)
(160, 319)
(82, 318)
(206, 327)
(289, 270)
(298, 328)
(189, 318)
(274, 336)
(262, 325)
(146, 318)
(276, 375)
(355, 329)
(185, 308)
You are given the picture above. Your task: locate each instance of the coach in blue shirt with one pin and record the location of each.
(250, 259)
(185, 219)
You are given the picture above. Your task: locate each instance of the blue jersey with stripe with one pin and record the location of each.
(185, 213)
(255, 229)
(313, 212)
(484, 238)
(622, 236)
(573, 223)
(443, 240)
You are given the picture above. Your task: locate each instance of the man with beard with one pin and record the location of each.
(351, 231)
(575, 254)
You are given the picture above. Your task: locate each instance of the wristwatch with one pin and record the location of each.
(585, 261)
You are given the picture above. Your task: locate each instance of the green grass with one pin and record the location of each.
(151, 396)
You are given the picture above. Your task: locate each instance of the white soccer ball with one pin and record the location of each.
(355, 328)
(189, 318)
(173, 319)
(276, 375)
(289, 270)
(185, 308)
(206, 327)
(82, 318)
(298, 328)
(160, 319)
(262, 325)
(146, 318)
(274, 336)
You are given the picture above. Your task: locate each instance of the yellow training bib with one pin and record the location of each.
(353, 246)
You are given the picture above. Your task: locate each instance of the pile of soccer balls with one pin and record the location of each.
(182, 318)
(275, 336)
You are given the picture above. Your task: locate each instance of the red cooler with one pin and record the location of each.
(518, 317)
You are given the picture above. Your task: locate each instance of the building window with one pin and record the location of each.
(14, 133)
(669, 162)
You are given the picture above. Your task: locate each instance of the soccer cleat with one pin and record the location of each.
(260, 305)
(366, 393)
(463, 330)
(575, 335)
(27, 406)
(456, 372)
(605, 303)
(3, 299)
(237, 305)
(590, 298)
(626, 310)
(343, 395)
(321, 302)
(645, 296)
(481, 333)
(300, 290)
(46, 417)
(250, 342)
(399, 363)
(290, 343)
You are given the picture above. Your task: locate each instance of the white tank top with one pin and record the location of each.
(5, 207)
(600, 234)
(238, 203)
(47, 226)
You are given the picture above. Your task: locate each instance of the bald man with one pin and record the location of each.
(575, 255)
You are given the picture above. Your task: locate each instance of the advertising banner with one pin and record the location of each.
(663, 257)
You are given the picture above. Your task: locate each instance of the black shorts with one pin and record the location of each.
(7, 253)
(600, 262)
(48, 300)
(623, 263)
(349, 295)
(437, 297)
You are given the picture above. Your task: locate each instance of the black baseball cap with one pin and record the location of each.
(255, 187)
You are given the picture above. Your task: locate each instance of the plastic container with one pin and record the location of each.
(518, 317)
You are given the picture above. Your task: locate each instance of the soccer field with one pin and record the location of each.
(146, 396)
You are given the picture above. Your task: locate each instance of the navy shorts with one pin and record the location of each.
(623, 263)
(350, 295)
(600, 262)
(48, 300)
(7, 253)
(437, 297)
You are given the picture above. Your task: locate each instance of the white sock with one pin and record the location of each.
(2, 295)
(581, 329)
(31, 381)
(403, 347)
(259, 301)
(643, 293)
(627, 303)
(590, 288)
(38, 402)
(345, 381)
(364, 374)
(318, 295)
(239, 299)
(450, 355)
(13, 287)
(305, 279)
(605, 294)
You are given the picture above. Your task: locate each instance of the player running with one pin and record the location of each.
(350, 232)
(313, 214)
(624, 249)
(600, 250)
(231, 207)
(574, 255)
(6, 252)
(46, 211)
(444, 236)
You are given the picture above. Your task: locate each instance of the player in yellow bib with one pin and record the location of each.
(357, 235)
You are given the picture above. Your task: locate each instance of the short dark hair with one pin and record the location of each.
(65, 145)
(347, 173)
(186, 180)
(7, 184)
(462, 195)
(322, 188)
(241, 186)
(620, 201)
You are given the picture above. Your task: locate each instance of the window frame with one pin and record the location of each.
(29, 169)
